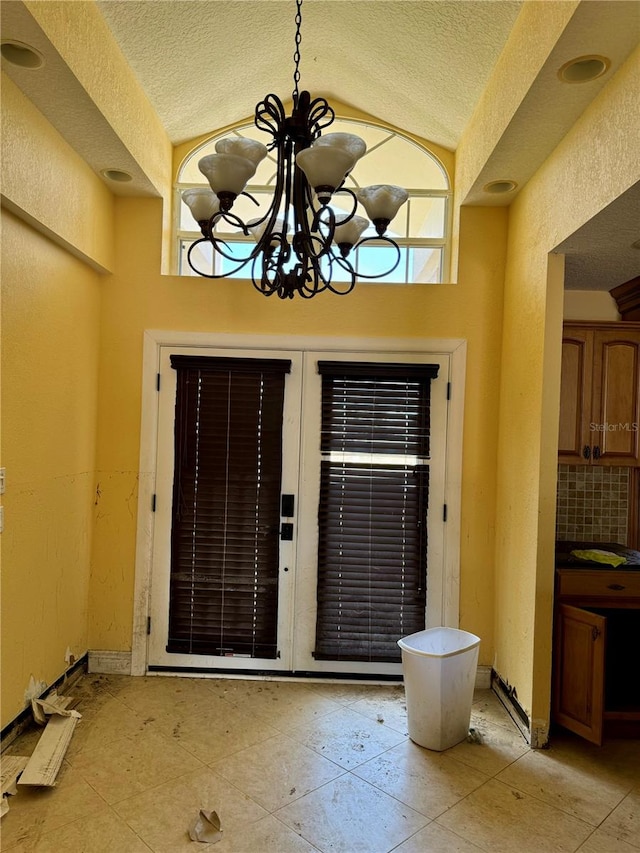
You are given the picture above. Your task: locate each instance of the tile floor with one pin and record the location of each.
(298, 768)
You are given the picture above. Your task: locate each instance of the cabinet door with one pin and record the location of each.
(579, 648)
(575, 397)
(615, 409)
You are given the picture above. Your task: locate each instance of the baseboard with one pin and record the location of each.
(483, 678)
(119, 663)
(110, 663)
(508, 698)
(24, 719)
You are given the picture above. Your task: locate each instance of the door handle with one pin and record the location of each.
(596, 452)
(286, 532)
(586, 451)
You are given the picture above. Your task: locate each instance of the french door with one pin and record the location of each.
(237, 583)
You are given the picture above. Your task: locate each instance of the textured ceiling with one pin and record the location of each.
(419, 65)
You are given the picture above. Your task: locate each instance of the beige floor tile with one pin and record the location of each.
(277, 771)
(600, 842)
(157, 696)
(346, 737)
(282, 705)
(347, 694)
(131, 765)
(486, 706)
(502, 819)
(101, 725)
(267, 835)
(103, 832)
(216, 733)
(585, 789)
(386, 705)
(436, 839)
(617, 757)
(350, 816)
(429, 782)
(93, 690)
(624, 821)
(143, 742)
(36, 811)
(162, 815)
(491, 748)
(169, 717)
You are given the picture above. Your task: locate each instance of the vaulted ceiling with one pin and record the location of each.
(420, 65)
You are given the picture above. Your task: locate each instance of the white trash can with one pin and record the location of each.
(439, 668)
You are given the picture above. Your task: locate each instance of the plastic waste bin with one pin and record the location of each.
(439, 669)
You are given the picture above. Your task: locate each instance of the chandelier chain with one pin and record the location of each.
(296, 55)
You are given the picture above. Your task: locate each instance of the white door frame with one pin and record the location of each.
(155, 339)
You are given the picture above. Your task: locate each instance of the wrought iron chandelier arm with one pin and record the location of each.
(226, 274)
(376, 239)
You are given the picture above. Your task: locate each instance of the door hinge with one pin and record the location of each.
(448, 390)
(153, 503)
(148, 625)
(444, 512)
(157, 381)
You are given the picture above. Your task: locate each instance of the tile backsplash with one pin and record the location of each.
(593, 503)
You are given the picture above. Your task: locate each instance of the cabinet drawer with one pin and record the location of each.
(584, 583)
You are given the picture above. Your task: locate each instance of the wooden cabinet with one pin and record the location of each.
(596, 645)
(600, 394)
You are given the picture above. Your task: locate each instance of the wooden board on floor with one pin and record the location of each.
(46, 760)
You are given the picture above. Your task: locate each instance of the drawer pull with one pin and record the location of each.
(615, 586)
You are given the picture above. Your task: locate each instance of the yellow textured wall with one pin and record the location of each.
(39, 169)
(85, 42)
(138, 298)
(50, 316)
(534, 35)
(596, 162)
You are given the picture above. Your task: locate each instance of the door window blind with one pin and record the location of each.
(372, 556)
(226, 495)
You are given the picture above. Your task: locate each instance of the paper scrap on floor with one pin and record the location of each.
(205, 827)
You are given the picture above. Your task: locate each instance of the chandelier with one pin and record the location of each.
(302, 246)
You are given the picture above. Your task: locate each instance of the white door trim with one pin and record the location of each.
(155, 339)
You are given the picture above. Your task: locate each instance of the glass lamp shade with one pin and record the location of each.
(202, 203)
(382, 201)
(258, 229)
(241, 147)
(325, 168)
(348, 142)
(227, 173)
(349, 233)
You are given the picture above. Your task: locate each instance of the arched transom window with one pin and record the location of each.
(421, 227)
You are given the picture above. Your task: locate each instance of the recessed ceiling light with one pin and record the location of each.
(116, 175)
(582, 69)
(500, 187)
(22, 55)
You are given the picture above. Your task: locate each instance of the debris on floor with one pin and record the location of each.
(11, 766)
(474, 736)
(43, 766)
(205, 827)
(51, 704)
